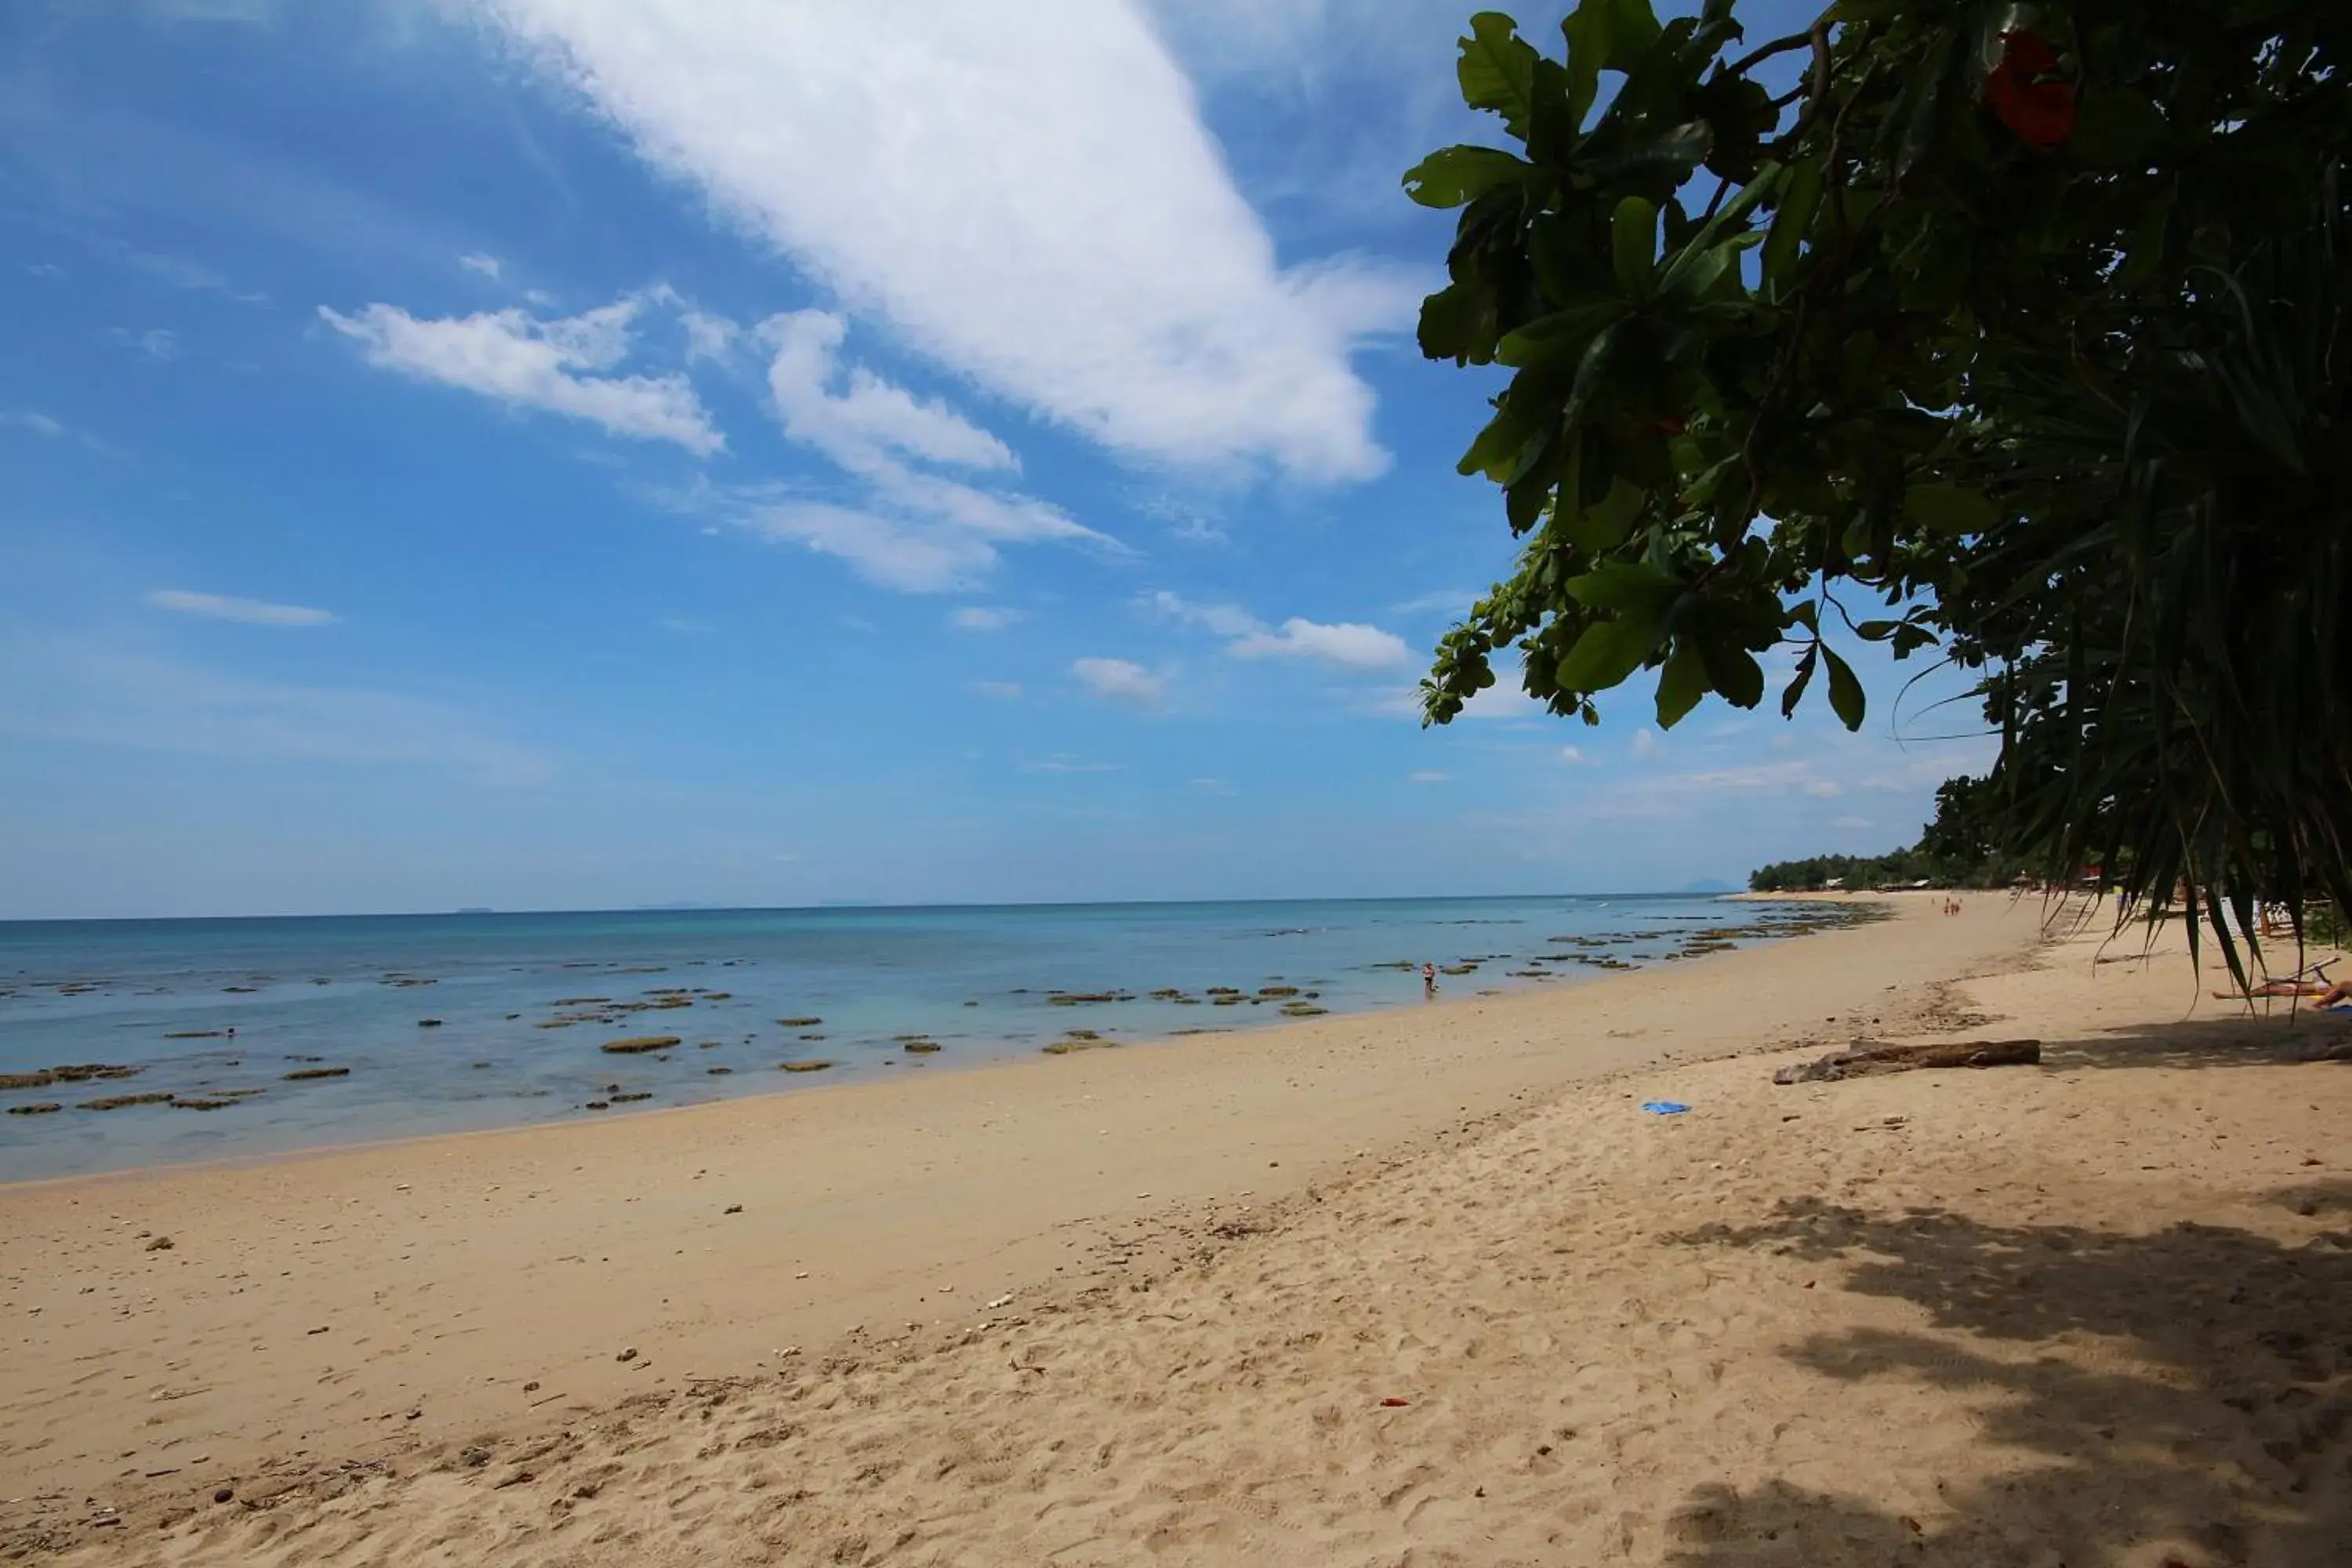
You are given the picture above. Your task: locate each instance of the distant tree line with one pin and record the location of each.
(1955, 851)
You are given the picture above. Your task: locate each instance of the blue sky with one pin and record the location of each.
(582, 453)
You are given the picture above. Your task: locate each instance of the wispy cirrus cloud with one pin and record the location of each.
(557, 366)
(155, 342)
(906, 157)
(982, 618)
(244, 612)
(37, 423)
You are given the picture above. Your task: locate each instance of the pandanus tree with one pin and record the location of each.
(2011, 334)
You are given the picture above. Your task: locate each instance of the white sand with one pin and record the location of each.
(2098, 1313)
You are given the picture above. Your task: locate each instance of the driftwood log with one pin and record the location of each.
(1866, 1058)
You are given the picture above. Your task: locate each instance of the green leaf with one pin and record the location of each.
(1796, 691)
(1562, 332)
(1495, 452)
(1701, 271)
(1845, 691)
(1633, 240)
(1604, 526)
(2144, 251)
(1592, 372)
(1592, 33)
(1733, 670)
(1456, 324)
(1673, 152)
(2116, 128)
(1605, 655)
(1949, 510)
(1633, 28)
(1732, 219)
(1680, 686)
(1800, 199)
(1921, 106)
(1526, 497)
(1626, 587)
(1497, 70)
(1455, 175)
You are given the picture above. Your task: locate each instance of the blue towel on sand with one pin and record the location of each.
(1664, 1107)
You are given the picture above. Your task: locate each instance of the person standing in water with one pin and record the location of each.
(1429, 982)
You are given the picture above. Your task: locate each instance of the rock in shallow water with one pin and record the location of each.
(638, 1044)
(118, 1101)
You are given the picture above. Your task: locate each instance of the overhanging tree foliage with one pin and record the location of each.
(2021, 329)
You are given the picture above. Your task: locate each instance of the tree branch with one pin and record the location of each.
(1755, 57)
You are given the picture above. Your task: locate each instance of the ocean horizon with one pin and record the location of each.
(180, 1038)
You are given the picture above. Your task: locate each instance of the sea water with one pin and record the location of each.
(443, 1020)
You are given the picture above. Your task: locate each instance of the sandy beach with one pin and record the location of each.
(1416, 1287)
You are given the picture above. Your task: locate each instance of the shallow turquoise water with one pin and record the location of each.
(352, 992)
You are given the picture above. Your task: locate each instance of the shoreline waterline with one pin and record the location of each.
(186, 1046)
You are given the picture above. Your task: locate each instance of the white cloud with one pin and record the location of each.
(244, 612)
(1221, 620)
(1121, 680)
(884, 550)
(1349, 644)
(1062, 762)
(998, 690)
(1823, 789)
(708, 336)
(487, 265)
(1450, 603)
(1428, 776)
(982, 618)
(516, 358)
(1646, 743)
(1025, 194)
(869, 425)
(53, 429)
(1852, 824)
(1214, 786)
(1188, 521)
(156, 343)
(1574, 754)
(1506, 701)
(909, 529)
(1796, 775)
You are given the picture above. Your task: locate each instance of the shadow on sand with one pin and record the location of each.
(2186, 1401)
(2241, 1039)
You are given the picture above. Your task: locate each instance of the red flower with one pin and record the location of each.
(2041, 112)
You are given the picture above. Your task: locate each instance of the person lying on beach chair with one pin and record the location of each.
(2311, 982)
